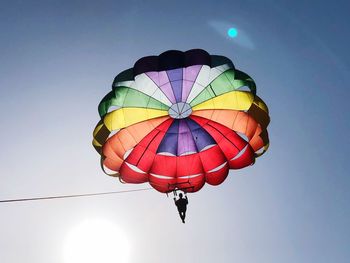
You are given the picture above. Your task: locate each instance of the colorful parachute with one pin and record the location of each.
(180, 119)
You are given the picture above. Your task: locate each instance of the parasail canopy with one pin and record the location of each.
(180, 119)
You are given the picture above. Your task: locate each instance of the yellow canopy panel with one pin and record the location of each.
(234, 100)
(124, 117)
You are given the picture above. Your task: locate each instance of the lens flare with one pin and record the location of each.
(232, 32)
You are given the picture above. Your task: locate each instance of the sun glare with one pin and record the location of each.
(96, 241)
(232, 32)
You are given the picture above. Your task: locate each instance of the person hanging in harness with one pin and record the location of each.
(181, 204)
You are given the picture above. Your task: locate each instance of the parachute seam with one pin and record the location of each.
(150, 97)
(223, 136)
(246, 83)
(219, 132)
(205, 88)
(161, 85)
(193, 85)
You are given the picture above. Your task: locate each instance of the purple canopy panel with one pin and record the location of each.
(187, 86)
(177, 88)
(201, 137)
(154, 76)
(163, 78)
(162, 81)
(169, 142)
(190, 75)
(174, 74)
(168, 91)
(185, 140)
(175, 77)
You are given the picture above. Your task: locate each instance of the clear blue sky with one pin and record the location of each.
(58, 59)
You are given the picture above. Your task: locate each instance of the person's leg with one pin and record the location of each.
(182, 215)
